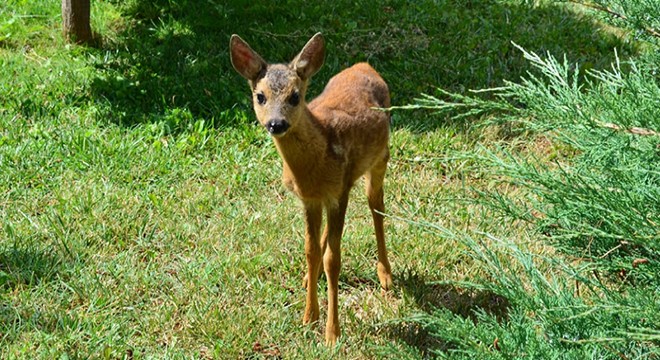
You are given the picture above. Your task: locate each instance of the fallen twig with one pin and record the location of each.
(632, 130)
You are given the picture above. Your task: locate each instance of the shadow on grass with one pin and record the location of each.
(26, 267)
(430, 298)
(21, 268)
(174, 55)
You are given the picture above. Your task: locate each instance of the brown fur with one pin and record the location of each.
(330, 143)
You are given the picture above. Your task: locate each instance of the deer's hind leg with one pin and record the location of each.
(374, 186)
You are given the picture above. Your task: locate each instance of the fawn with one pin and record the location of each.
(325, 146)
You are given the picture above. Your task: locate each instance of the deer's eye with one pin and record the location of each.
(294, 99)
(261, 98)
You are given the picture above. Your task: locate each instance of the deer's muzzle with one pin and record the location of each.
(277, 127)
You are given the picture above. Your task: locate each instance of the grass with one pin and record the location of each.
(143, 216)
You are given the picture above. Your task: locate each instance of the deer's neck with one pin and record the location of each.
(303, 148)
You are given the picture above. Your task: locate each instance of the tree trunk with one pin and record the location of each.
(75, 21)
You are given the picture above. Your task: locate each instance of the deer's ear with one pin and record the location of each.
(311, 57)
(245, 60)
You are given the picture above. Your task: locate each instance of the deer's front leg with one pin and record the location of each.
(314, 255)
(332, 265)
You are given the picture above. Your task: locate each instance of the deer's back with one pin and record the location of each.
(345, 108)
(354, 90)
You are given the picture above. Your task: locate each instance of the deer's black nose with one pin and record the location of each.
(277, 126)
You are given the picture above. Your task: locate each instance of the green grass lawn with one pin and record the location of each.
(143, 216)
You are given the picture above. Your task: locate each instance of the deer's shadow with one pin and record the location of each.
(431, 297)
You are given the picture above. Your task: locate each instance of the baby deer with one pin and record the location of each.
(325, 146)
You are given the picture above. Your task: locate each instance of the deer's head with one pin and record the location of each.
(278, 90)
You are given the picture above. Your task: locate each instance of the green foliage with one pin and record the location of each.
(613, 183)
(593, 191)
(547, 315)
(642, 16)
(607, 197)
